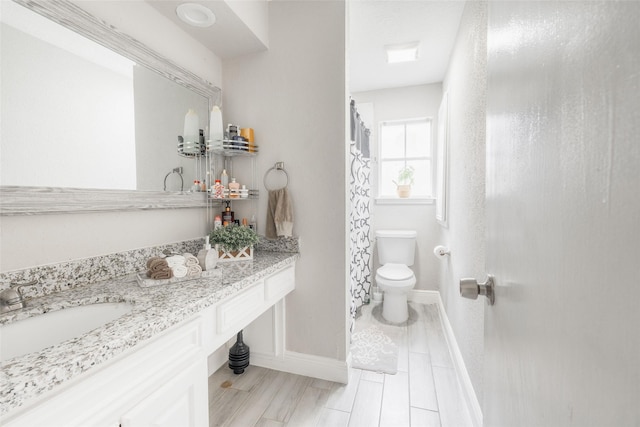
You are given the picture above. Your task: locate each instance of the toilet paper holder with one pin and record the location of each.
(440, 251)
(470, 288)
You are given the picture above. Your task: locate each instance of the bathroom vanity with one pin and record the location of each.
(150, 365)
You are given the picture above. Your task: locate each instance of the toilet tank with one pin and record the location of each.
(396, 246)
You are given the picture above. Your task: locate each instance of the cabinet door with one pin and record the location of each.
(181, 401)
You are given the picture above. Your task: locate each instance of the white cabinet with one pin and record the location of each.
(241, 308)
(178, 402)
(279, 284)
(163, 381)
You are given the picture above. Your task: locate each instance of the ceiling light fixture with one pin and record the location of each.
(402, 52)
(196, 15)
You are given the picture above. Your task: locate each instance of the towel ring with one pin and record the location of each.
(279, 166)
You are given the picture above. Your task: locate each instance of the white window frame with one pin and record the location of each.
(411, 200)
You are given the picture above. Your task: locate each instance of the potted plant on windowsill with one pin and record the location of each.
(405, 181)
(234, 242)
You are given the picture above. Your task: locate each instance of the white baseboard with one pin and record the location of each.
(424, 297)
(304, 364)
(475, 411)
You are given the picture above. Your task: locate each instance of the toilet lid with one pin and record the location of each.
(395, 272)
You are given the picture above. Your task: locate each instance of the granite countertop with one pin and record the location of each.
(155, 310)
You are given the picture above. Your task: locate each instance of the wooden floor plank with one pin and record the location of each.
(453, 410)
(226, 405)
(260, 396)
(264, 422)
(285, 401)
(333, 418)
(395, 400)
(417, 333)
(310, 407)
(343, 395)
(438, 348)
(366, 408)
(421, 387)
(425, 418)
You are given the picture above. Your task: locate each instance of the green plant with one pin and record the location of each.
(233, 237)
(405, 176)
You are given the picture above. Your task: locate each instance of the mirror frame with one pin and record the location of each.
(18, 200)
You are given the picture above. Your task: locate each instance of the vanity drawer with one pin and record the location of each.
(232, 312)
(280, 284)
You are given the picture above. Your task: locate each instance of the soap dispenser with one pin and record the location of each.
(207, 257)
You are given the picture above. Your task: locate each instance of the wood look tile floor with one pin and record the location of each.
(424, 393)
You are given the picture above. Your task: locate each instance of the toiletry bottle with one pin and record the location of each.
(203, 186)
(224, 178)
(216, 129)
(191, 132)
(228, 215)
(218, 190)
(217, 222)
(234, 188)
(253, 224)
(207, 257)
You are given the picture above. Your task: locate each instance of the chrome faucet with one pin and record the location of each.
(11, 298)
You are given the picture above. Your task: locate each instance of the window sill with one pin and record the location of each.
(407, 201)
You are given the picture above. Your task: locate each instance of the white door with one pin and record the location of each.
(562, 342)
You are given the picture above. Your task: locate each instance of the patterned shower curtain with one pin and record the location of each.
(359, 214)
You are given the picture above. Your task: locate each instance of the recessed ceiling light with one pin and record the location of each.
(402, 52)
(196, 15)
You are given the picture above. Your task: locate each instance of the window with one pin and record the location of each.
(405, 143)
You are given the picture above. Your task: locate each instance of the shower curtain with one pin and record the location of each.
(359, 213)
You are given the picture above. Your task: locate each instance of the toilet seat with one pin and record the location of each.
(395, 272)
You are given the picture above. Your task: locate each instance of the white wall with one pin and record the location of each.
(405, 103)
(141, 21)
(294, 97)
(28, 241)
(465, 83)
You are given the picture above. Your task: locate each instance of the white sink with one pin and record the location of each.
(41, 331)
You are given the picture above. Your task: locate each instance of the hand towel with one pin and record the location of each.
(194, 270)
(179, 271)
(165, 273)
(190, 260)
(279, 214)
(152, 260)
(156, 265)
(175, 260)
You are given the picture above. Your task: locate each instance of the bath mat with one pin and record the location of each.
(373, 348)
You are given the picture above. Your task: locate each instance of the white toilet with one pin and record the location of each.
(396, 249)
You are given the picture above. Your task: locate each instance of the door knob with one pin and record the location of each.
(470, 288)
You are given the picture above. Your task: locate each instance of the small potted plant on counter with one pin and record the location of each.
(234, 242)
(405, 181)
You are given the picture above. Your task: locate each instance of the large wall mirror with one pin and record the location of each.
(90, 116)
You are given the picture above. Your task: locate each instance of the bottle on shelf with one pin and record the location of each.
(228, 215)
(216, 129)
(234, 189)
(191, 134)
(218, 190)
(224, 178)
